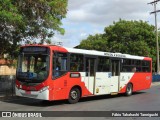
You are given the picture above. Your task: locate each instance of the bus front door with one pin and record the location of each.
(90, 73)
(115, 69)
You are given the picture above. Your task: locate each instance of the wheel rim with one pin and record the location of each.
(74, 95)
(129, 89)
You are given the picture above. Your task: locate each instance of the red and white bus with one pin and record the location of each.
(51, 72)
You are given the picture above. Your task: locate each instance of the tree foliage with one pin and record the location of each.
(27, 20)
(95, 42)
(128, 37)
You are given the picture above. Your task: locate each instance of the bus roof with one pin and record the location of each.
(91, 52)
(109, 54)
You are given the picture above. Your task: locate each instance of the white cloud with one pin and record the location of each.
(104, 12)
(83, 35)
(86, 17)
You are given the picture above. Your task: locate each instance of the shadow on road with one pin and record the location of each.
(43, 103)
(32, 102)
(101, 97)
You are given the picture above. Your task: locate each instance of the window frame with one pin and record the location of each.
(102, 64)
(54, 63)
(137, 64)
(70, 62)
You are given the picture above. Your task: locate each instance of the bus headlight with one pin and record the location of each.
(44, 88)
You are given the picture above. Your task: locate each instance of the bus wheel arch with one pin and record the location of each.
(75, 94)
(129, 89)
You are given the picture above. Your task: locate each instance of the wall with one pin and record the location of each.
(6, 70)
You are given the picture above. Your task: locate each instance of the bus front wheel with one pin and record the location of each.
(129, 89)
(74, 95)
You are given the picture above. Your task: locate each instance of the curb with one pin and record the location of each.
(155, 83)
(4, 98)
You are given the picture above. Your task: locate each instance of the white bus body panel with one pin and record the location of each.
(104, 83)
(88, 80)
(125, 78)
(43, 95)
(114, 84)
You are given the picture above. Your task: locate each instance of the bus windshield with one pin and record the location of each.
(33, 67)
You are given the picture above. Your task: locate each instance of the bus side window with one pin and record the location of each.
(59, 64)
(76, 62)
(103, 64)
(136, 65)
(146, 66)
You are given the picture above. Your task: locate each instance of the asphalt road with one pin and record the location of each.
(147, 100)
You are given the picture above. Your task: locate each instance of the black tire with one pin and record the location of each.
(129, 89)
(74, 95)
(45, 101)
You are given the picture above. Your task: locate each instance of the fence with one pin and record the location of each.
(7, 78)
(7, 85)
(156, 78)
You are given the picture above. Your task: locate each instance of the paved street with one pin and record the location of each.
(148, 100)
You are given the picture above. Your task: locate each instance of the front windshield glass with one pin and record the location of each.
(33, 67)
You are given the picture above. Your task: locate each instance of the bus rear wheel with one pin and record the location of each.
(74, 96)
(129, 89)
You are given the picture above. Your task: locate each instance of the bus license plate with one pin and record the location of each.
(28, 92)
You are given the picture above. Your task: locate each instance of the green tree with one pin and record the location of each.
(28, 20)
(127, 37)
(10, 21)
(131, 37)
(95, 42)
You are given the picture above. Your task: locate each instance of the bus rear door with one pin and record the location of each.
(114, 80)
(90, 68)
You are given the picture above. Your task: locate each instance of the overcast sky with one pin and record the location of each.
(85, 17)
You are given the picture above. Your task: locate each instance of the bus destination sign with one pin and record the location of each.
(34, 49)
(115, 55)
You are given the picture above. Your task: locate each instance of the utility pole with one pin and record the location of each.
(156, 30)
